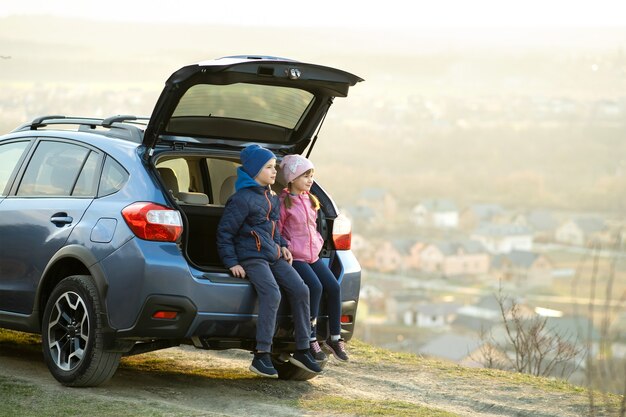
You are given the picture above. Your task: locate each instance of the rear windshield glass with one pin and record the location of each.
(279, 106)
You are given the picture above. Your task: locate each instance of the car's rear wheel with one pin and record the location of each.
(287, 370)
(72, 335)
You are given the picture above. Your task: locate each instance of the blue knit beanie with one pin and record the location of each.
(253, 158)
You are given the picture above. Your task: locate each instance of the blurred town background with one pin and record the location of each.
(472, 163)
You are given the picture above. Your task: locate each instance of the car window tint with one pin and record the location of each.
(113, 178)
(10, 154)
(53, 169)
(87, 184)
(280, 106)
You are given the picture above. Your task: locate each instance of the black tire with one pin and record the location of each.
(72, 335)
(289, 371)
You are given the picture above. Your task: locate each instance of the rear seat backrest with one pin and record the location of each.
(168, 176)
(227, 189)
(171, 182)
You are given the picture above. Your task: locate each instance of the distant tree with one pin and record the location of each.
(529, 345)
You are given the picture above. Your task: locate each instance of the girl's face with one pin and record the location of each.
(303, 183)
(267, 176)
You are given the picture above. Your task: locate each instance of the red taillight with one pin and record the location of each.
(346, 319)
(167, 315)
(342, 233)
(151, 221)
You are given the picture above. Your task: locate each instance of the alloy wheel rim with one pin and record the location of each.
(68, 331)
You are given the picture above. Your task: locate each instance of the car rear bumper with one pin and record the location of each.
(213, 309)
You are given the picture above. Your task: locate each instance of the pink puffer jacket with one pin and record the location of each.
(297, 226)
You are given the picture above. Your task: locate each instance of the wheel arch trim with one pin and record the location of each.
(77, 253)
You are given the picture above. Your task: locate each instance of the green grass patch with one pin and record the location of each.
(362, 407)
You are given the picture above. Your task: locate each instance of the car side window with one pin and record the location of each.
(87, 183)
(113, 178)
(53, 169)
(10, 154)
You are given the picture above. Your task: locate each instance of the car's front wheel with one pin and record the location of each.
(72, 335)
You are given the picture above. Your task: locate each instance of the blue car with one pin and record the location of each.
(107, 226)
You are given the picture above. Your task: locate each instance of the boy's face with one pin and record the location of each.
(267, 176)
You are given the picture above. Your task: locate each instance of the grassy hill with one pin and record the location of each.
(375, 382)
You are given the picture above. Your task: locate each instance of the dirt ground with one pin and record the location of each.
(210, 383)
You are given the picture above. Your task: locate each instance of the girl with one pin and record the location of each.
(298, 227)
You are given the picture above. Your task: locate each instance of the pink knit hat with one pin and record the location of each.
(292, 166)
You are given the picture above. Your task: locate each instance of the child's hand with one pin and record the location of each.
(287, 255)
(238, 271)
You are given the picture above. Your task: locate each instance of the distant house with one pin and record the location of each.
(582, 231)
(380, 200)
(431, 315)
(410, 250)
(503, 238)
(388, 257)
(407, 249)
(464, 257)
(540, 222)
(522, 268)
(412, 309)
(401, 301)
(414, 257)
(477, 215)
(437, 213)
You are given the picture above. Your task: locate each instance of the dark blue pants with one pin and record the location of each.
(268, 278)
(320, 279)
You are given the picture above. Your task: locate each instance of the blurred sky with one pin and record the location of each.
(389, 14)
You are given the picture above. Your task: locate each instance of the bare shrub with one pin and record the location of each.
(530, 346)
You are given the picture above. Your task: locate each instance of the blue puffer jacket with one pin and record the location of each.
(249, 226)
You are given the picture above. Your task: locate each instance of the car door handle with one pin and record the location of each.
(60, 219)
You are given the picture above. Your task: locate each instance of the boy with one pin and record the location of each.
(250, 245)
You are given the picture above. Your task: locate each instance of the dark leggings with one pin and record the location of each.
(319, 278)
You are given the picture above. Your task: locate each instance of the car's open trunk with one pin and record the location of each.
(201, 233)
(200, 187)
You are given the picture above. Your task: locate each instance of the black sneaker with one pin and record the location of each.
(262, 365)
(337, 348)
(304, 360)
(317, 352)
